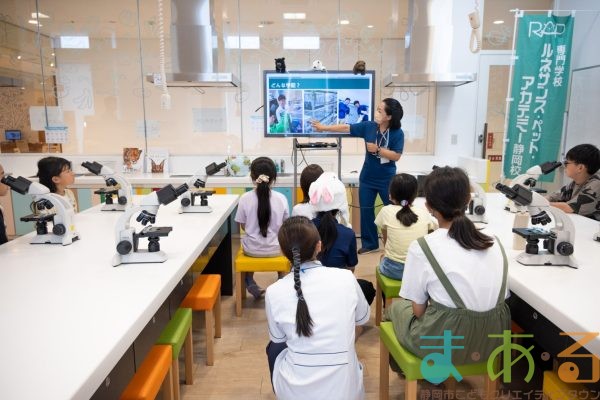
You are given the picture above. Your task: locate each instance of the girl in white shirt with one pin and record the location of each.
(454, 278)
(312, 314)
(56, 174)
(401, 223)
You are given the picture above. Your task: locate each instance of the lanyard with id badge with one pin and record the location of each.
(383, 142)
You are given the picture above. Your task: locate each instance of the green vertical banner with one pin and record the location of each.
(538, 93)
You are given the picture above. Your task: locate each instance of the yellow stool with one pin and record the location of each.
(390, 288)
(411, 366)
(244, 264)
(555, 389)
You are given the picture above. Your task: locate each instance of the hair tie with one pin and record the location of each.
(262, 178)
(404, 203)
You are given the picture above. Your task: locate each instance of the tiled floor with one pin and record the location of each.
(241, 371)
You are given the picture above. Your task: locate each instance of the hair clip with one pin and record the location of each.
(262, 178)
(404, 203)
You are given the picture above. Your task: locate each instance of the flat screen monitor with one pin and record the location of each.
(293, 99)
(12, 134)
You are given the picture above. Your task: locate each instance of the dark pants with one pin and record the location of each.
(273, 349)
(367, 192)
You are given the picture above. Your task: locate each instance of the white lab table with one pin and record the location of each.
(567, 297)
(68, 316)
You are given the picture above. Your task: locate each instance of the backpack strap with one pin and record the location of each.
(504, 273)
(440, 274)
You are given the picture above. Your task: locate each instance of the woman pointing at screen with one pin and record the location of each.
(384, 142)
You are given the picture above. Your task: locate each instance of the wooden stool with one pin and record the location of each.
(154, 372)
(205, 295)
(555, 389)
(244, 263)
(411, 366)
(177, 332)
(390, 288)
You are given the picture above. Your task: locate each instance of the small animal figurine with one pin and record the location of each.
(158, 167)
(318, 66)
(280, 64)
(359, 67)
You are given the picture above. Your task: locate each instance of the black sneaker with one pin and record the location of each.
(362, 250)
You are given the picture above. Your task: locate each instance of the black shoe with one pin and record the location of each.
(362, 250)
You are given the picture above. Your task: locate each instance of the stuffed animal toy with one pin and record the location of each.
(280, 64)
(318, 66)
(359, 67)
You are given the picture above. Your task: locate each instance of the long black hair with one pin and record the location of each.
(298, 238)
(327, 230)
(448, 191)
(263, 166)
(394, 109)
(50, 167)
(309, 174)
(403, 190)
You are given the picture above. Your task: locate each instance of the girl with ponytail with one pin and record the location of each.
(260, 214)
(312, 314)
(454, 278)
(401, 223)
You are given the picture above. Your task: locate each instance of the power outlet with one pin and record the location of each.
(454, 139)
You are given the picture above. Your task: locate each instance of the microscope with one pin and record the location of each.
(116, 184)
(128, 251)
(51, 207)
(197, 183)
(558, 242)
(529, 179)
(477, 205)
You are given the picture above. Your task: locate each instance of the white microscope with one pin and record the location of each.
(558, 242)
(115, 184)
(529, 179)
(127, 239)
(477, 205)
(197, 183)
(51, 207)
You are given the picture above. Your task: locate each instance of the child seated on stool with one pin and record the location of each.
(582, 195)
(56, 174)
(307, 177)
(260, 214)
(312, 314)
(454, 278)
(3, 192)
(400, 224)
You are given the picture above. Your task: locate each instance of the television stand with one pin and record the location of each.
(310, 146)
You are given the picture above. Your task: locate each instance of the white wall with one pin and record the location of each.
(587, 31)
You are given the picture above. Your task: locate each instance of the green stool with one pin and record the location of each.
(411, 366)
(390, 288)
(177, 332)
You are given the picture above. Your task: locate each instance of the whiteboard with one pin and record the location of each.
(583, 123)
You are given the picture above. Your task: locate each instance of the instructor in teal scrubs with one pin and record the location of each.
(384, 143)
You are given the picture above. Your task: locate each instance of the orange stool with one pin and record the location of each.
(154, 372)
(205, 295)
(244, 263)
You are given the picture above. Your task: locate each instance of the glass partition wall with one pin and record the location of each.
(82, 66)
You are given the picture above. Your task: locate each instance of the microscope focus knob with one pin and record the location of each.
(479, 210)
(59, 229)
(186, 202)
(122, 200)
(564, 248)
(124, 247)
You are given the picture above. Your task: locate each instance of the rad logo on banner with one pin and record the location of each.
(538, 92)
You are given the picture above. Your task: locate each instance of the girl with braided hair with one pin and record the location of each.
(260, 213)
(312, 314)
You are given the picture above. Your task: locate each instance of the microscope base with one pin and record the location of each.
(546, 259)
(113, 207)
(51, 238)
(141, 256)
(195, 209)
(597, 237)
